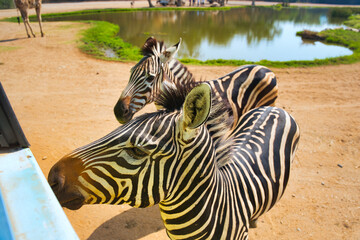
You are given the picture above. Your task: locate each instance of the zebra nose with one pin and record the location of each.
(56, 179)
(63, 181)
(122, 110)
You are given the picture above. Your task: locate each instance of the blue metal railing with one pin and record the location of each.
(5, 228)
(30, 209)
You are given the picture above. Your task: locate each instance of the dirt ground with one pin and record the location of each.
(64, 99)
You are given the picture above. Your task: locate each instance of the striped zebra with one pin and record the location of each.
(246, 88)
(168, 158)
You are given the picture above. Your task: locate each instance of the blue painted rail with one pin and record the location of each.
(28, 207)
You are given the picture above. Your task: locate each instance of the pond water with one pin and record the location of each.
(241, 33)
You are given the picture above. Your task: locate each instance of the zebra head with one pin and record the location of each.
(145, 79)
(138, 163)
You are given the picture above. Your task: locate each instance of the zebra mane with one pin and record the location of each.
(172, 97)
(152, 47)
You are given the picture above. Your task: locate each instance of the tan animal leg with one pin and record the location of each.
(25, 17)
(38, 8)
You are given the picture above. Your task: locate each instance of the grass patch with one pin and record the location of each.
(354, 21)
(344, 38)
(102, 36)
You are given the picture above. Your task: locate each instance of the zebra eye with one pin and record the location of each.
(136, 152)
(149, 77)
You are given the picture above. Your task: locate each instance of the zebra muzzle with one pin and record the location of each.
(74, 203)
(122, 110)
(63, 183)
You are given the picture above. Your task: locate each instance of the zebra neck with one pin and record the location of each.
(177, 73)
(158, 82)
(202, 200)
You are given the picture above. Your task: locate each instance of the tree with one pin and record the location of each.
(6, 4)
(286, 3)
(253, 3)
(178, 3)
(150, 4)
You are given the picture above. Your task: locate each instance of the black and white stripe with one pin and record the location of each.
(244, 89)
(203, 193)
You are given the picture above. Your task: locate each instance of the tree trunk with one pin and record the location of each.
(253, 3)
(150, 4)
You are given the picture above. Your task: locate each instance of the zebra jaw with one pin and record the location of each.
(68, 194)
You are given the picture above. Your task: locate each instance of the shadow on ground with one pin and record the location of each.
(130, 225)
(11, 40)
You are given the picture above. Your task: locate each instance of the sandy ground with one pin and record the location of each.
(64, 99)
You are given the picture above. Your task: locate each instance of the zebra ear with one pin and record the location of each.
(169, 53)
(196, 107)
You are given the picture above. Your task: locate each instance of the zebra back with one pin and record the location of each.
(246, 88)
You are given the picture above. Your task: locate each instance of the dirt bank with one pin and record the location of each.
(64, 99)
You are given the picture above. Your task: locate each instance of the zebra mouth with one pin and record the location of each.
(124, 117)
(73, 204)
(122, 110)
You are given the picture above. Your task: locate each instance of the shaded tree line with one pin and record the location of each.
(342, 2)
(6, 4)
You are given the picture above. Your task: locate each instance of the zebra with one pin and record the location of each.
(245, 88)
(168, 158)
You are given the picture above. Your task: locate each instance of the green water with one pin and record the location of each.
(241, 33)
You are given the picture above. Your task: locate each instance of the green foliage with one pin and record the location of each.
(340, 12)
(343, 37)
(354, 22)
(103, 36)
(278, 6)
(11, 19)
(6, 4)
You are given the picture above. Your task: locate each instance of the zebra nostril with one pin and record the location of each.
(54, 186)
(122, 110)
(56, 181)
